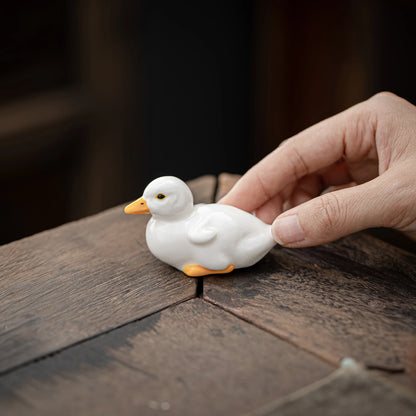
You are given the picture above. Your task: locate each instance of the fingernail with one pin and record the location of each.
(287, 230)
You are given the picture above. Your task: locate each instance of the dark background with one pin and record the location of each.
(99, 97)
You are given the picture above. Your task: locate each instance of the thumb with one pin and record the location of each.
(334, 215)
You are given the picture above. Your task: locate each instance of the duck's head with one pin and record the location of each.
(167, 197)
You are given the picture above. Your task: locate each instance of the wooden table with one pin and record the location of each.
(92, 324)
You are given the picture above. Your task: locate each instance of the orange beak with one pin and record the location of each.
(137, 207)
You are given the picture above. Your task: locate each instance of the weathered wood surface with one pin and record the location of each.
(190, 359)
(346, 392)
(355, 297)
(330, 306)
(67, 284)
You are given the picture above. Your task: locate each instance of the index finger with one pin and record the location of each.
(349, 134)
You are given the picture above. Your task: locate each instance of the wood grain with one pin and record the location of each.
(190, 359)
(346, 392)
(327, 304)
(374, 253)
(65, 285)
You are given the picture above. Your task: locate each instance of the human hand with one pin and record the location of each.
(353, 171)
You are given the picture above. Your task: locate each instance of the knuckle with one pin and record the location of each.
(284, 143)
(399, 212)
(383, 96)
(380, 110)
(299, 166)
(331, 211)
(262, 183)
(385, 104)
(359, 142)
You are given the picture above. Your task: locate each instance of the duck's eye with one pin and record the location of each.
(160, 196)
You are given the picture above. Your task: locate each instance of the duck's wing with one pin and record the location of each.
(201, 230)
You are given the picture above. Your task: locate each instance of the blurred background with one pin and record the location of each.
(99, 97)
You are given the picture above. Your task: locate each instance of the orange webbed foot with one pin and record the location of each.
(195, 270)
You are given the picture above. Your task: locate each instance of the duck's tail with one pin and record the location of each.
(255, 247)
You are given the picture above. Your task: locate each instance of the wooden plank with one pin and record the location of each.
(190, 359)
(67, 284)
(329, 305)
(346, 392)
(374, 253)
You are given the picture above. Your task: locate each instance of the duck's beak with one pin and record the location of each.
(137, 207)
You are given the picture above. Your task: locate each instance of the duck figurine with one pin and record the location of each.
(200, 239)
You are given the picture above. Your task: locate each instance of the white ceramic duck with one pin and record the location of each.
(199, 239)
